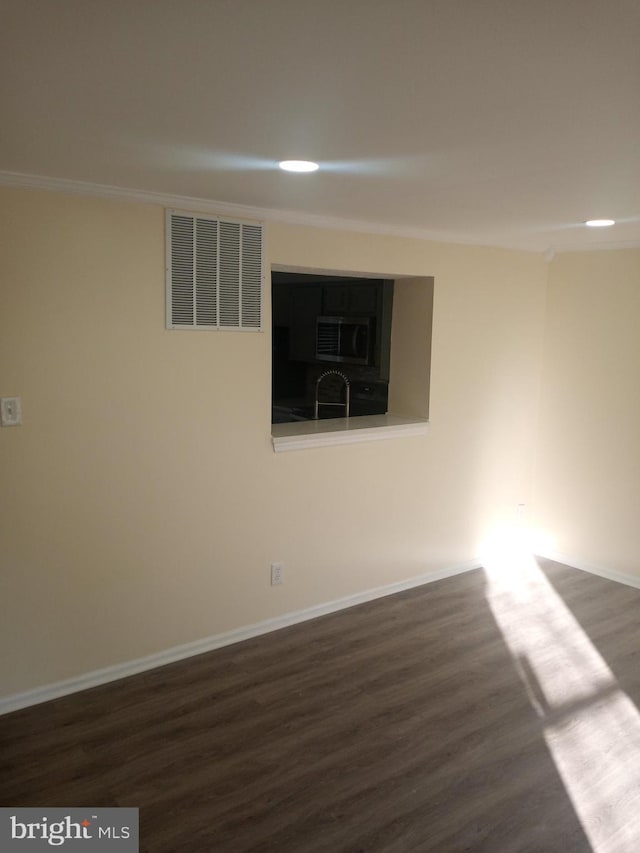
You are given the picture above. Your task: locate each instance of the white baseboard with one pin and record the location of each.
(177, 653)
(591, 568)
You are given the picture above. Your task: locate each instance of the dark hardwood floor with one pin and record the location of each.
(405, 724)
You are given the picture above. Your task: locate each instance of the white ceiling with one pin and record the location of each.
(503, 122)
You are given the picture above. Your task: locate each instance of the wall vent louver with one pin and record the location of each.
(214, 273)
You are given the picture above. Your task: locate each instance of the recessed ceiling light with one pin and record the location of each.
(600, 223)
(298, 166)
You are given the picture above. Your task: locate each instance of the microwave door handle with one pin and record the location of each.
(354, 339)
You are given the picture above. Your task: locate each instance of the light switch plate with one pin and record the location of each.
(10, 411)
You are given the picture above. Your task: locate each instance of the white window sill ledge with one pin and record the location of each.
(326, 433)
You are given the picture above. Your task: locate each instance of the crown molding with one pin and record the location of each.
(239, 211)
(598, 247)
(66, 185)
(286, 217)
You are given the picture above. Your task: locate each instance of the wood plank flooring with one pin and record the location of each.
(400, 725)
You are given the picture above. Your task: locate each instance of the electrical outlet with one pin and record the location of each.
(277, 574)
(520, 508)
(10, 411)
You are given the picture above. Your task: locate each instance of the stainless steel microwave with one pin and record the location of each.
(344, 339)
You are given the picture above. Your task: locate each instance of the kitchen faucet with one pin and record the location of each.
(344, 405)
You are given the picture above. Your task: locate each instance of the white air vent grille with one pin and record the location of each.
(214, 273)
(182, 267)
(229, 274)
(206, 272)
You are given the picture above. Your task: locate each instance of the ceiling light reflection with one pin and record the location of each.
(298, 166)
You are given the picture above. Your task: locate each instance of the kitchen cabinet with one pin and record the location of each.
(306, 305)
(351, 299)
(281, 305)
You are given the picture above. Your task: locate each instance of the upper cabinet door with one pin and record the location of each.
(335, 299)
(351, 299)
(306, 302)
(364, 299)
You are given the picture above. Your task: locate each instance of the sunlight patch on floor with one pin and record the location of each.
(590, 725)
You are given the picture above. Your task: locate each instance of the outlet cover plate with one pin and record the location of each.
(10, 411)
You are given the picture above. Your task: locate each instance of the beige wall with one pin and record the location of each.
(588, 460)
(141, 500)
(410, 373)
